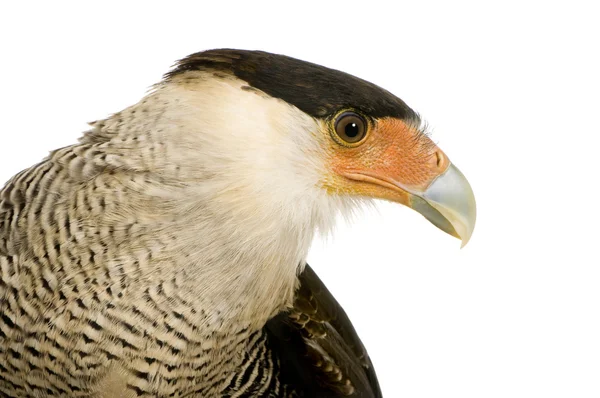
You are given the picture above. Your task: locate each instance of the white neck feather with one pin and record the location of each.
(239, 189)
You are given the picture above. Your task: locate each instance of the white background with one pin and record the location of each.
(512, 92)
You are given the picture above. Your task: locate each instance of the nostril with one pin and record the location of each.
(439, 158)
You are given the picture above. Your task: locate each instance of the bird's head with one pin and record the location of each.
(277, 133)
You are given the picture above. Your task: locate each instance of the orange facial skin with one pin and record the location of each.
(393, 160)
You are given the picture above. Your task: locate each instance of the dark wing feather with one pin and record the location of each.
(320, 353)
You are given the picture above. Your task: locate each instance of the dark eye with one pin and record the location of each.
(350, 127)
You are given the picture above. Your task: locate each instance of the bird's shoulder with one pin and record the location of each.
(16, 198)
(318, 348)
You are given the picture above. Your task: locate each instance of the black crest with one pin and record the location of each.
(314, 89)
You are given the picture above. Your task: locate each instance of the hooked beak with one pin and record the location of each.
(449, 204)
(447, 201)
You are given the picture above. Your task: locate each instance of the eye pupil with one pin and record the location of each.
(350, 127)
(352, 130)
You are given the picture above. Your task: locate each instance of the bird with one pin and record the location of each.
(163, 254)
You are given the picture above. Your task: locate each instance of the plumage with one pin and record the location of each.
(164, 254)
(316, 334)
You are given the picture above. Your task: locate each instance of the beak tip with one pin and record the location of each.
(464, 242)
(468, 224)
